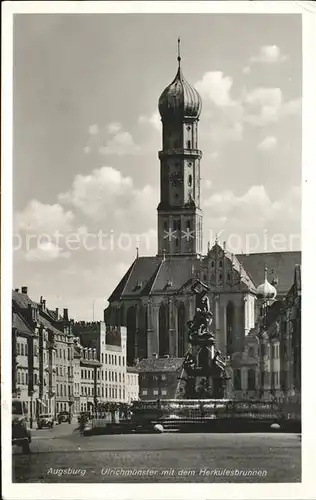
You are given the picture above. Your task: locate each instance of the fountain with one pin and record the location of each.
(200, 402)
(204, 368)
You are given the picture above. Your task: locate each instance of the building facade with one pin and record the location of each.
(132, 384)
(159, 378)
(44, 361)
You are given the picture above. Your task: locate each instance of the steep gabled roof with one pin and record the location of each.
(118, 292)
(20, 324)
(22, 300)
(174, 273)
(282, 263)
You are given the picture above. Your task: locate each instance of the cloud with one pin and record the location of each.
(270, 54)
(266, 105)
(46, 251)
(94, 129)
(106, 194)
(268, 143)
(38, 217)
(153, 120)
(122, 143)
(114, 127)
(215, 87)
(255, 209)
(246, 70)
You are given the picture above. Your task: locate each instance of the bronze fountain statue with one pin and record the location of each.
(204, 366)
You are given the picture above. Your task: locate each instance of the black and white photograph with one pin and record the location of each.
(155, 315)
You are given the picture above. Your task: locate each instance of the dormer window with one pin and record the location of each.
(138, 284)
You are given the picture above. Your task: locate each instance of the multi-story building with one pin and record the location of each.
(159, 378)
(110, 350)
(279, 333)
(25, 373)
(132, 384)
(49, 354)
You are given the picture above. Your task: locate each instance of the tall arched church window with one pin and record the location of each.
(142, 332)
(251, 380)
(131, 335)
(229, 326)
(181, 329)
(237, 380)
(163, 330)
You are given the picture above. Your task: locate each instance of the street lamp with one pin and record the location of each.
(31, 409)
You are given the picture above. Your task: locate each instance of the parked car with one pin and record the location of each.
(64, 416)
(21, 433)
(45, 420)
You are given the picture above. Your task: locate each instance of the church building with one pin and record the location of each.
(154, 299)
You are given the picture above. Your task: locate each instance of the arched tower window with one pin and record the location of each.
(131, 335)
(142, 332)
(181, 329)
(229, 327)
(163, 330)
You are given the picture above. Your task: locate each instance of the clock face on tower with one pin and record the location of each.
(175, 178)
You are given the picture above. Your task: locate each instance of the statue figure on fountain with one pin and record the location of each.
(199, 327)
(204, 367)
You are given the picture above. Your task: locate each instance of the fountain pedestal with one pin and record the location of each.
(204, 368)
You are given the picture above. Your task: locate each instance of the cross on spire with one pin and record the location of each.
(179, 54)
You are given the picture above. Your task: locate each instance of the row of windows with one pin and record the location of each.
(65, 371)
(61, 390)
(155, 392)
(61, 407)
(154, 377)
(61, 353)
(21, 349)
(113, 359)
(104, 392)
(112, 376)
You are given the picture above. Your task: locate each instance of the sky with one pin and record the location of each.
(87, 135)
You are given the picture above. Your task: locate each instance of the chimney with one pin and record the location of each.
(57, 312)
(43, 304)
(66, 314)
(24, 289)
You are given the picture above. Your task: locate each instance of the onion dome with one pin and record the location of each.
(179, 99)
(266, 291)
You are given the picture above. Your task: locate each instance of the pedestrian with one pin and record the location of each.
(82, 424)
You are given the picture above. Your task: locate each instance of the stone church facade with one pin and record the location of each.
(154, 299)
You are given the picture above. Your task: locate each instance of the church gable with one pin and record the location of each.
(223, 269)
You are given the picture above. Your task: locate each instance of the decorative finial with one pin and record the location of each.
(216, 239)
(179, 54)
(265, 273)
(137, 252)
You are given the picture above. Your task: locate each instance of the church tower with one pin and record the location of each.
(179, 213)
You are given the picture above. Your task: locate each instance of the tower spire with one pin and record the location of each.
(179, 53)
